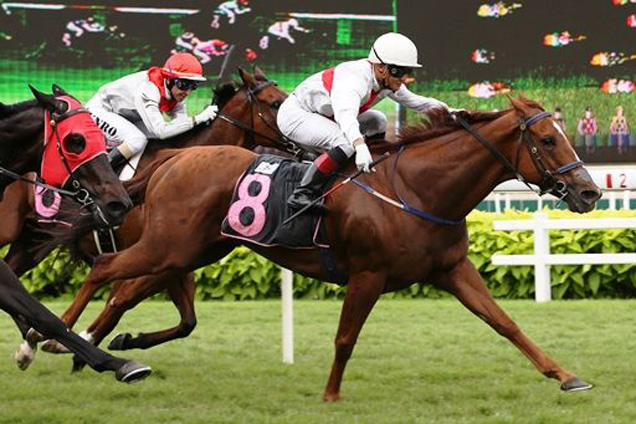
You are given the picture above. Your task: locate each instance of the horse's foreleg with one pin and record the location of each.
(181, 291)
(124, 296)
(363, 290)
(15, 300)
(468, 286)
(127, 264)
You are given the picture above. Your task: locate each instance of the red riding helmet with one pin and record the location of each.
(183, 66)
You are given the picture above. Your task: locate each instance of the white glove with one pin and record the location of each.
(208, 114)
(363, 158)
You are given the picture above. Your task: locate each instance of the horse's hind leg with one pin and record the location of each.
(363, 290)
(181, 291)
(467, 285)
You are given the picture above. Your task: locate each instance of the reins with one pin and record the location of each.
(556, 186)
(288, 145)
(549, 182)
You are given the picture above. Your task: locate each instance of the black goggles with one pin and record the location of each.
(400, 71)
(185, 84)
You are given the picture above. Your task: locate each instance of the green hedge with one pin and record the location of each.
(245, 275)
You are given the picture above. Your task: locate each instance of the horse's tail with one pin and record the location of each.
(136, 187)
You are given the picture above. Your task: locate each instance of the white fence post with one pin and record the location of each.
(626, 200)
(287, 295)
(542, 251)
(497, 203)
(612, 201)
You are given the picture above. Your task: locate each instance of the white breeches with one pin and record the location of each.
(319, 133)
(118, 129)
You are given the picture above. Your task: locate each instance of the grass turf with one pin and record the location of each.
(416, 361)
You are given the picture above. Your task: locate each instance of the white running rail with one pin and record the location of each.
(542, 259)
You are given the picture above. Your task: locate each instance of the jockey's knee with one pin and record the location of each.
(372, 123)
(133, 146)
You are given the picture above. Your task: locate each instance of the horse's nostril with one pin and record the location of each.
(590, 196)
(117, 208)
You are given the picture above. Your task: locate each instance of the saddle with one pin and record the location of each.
(259, 207)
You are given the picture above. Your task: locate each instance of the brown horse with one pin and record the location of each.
(246, 118)
(441, 170)
(70, 152)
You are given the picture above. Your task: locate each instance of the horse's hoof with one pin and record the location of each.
(329, 397)
(132, 371)
(575, 385)
(25, 355)
(53, 346)
(33, 337)
(120, 341)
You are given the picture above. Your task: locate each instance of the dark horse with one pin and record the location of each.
(441, 170)
(247, 118)
(58, 136)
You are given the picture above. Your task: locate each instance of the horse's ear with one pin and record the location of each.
(58, 91)
(259, 74)
(48, 101)
(519, 105)
(247, 78)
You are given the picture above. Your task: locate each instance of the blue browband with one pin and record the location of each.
(534, 118)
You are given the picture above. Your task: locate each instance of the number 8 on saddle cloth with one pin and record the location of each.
(259, 206)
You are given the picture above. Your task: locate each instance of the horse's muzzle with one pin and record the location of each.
(582, 192)
(112, 213)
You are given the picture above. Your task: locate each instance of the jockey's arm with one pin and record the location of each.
(147, 104)
(414, 101)
(346, 96)
(179, 112)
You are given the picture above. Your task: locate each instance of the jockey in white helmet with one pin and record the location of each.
(131, 109)
(330, 111)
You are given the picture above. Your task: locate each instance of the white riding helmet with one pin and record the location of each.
(394, 49)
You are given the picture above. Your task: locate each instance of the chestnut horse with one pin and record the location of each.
(441, 171)
(247, 118)
(71, 152)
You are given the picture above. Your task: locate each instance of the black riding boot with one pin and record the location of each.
(308, 189)
(117, 160)
(315, 177)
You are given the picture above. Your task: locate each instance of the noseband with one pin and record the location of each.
(285, 142)
(549, 178)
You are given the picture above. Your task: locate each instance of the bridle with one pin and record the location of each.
(550, 183)
(283, 141)
(81, 195)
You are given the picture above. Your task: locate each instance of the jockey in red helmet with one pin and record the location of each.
(131, 109)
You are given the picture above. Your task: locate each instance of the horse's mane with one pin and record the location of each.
(10, 110)
(440, 123)
(224, 92)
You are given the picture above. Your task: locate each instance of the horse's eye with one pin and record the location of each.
(276, 104)
(548, 141)
(74, 143)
